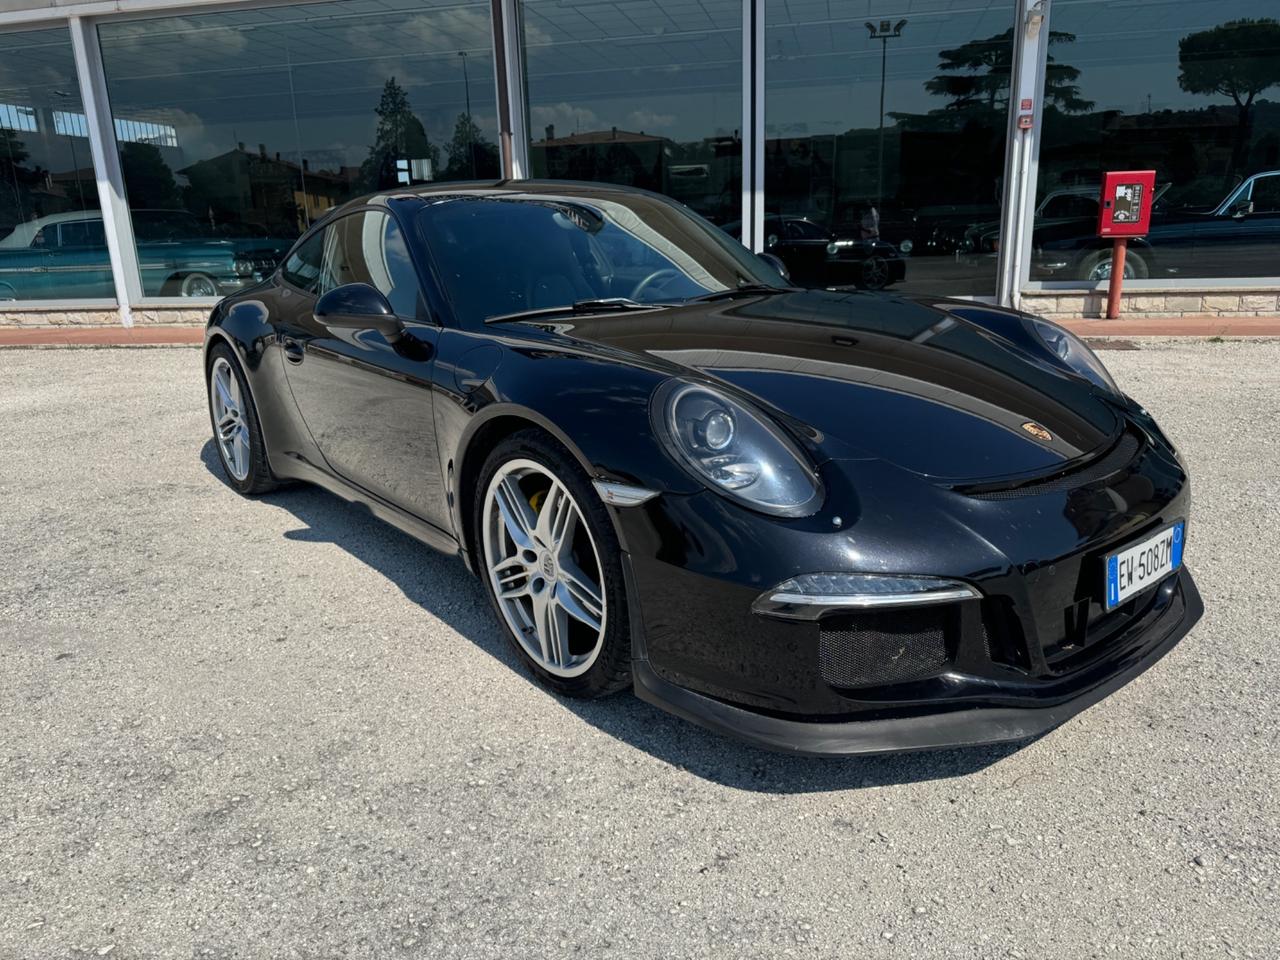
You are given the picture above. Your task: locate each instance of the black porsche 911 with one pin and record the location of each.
(825, 522)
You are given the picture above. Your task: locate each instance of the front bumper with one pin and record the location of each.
(1178, 606)
(1033, 646)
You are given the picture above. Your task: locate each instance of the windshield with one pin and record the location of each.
(498, 256)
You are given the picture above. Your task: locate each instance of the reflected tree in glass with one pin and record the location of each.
(400, 136)
(1239, 59)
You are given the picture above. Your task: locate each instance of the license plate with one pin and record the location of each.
(1143, 565)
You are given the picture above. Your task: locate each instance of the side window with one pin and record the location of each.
(1266, 195)
(302, 267)
(47, 237)
(83, 233)
(368, 247)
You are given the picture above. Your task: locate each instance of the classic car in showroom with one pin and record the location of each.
(817, 257)
(64, 255)
(821, 521)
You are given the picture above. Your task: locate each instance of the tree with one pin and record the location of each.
(470, 154)
(15, 180)
(1238, 59)
(148, 181)
(977, 75)
(400, 136)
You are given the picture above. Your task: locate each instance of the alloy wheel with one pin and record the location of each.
(544, 568)
(875, 273)
(230, 429)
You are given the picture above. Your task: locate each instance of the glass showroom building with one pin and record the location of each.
(157, 154)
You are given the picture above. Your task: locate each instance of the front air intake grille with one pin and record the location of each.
(1111, 463)
(872, 648)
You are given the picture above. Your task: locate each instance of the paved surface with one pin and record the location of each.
(277, 728)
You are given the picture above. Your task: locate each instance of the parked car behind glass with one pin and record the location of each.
(64, 256)
(1239, 237)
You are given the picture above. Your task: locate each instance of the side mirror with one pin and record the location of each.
(361, 306)
(775, 261)
(1241, 208)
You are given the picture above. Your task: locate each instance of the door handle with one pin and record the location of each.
(293, 351)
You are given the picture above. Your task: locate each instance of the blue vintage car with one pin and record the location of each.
(64, 256)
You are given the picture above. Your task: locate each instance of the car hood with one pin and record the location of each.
(919, 383)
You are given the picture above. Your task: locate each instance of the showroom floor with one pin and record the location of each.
(278, 728)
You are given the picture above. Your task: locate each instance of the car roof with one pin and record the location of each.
(578, 189)
(24, 233)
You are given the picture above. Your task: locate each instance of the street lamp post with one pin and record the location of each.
(884, 31)
(466, 87)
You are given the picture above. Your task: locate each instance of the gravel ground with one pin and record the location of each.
(277, 728)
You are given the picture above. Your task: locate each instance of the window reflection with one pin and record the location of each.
(641, 93)
(1190, 90)
(885, 126)
(252, 123)
(51, 242)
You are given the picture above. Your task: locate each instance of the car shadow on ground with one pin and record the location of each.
(446, 589)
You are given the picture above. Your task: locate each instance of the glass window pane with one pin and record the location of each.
(639, 92)
(368, 247)
(1191, 90)
(238, 129)
(863, 107)
(46, 176)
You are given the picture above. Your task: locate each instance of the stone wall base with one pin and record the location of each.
(1146, 304)
(149, 316)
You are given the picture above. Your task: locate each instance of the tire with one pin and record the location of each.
(241, 450)
(1097, 266)
(197, 285)
(547, 580)
(875, 273)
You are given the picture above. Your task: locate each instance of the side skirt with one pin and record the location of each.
(293, 467)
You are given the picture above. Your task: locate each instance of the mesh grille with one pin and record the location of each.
(1113, 462)
(877, 647)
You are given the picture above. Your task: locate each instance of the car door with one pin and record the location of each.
(1257, 240)
(24, 271)
(801, 245)
(81, 266)
(366, 402)
(1244, 239)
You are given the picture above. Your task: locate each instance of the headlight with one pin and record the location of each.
(243, 268)
(735, 451)
(1072, 351)
(906, 246)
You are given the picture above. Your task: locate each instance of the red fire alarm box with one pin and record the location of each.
(1124, 210)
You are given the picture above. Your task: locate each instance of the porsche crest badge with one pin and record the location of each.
(1037, 431)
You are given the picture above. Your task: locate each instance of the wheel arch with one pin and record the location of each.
(488, 429)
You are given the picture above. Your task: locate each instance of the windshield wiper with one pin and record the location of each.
(747, 289)
(599, 305)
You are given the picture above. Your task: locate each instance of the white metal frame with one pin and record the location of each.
(753, 133)
(516, 97)
(1022, 148)
(108, 174)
